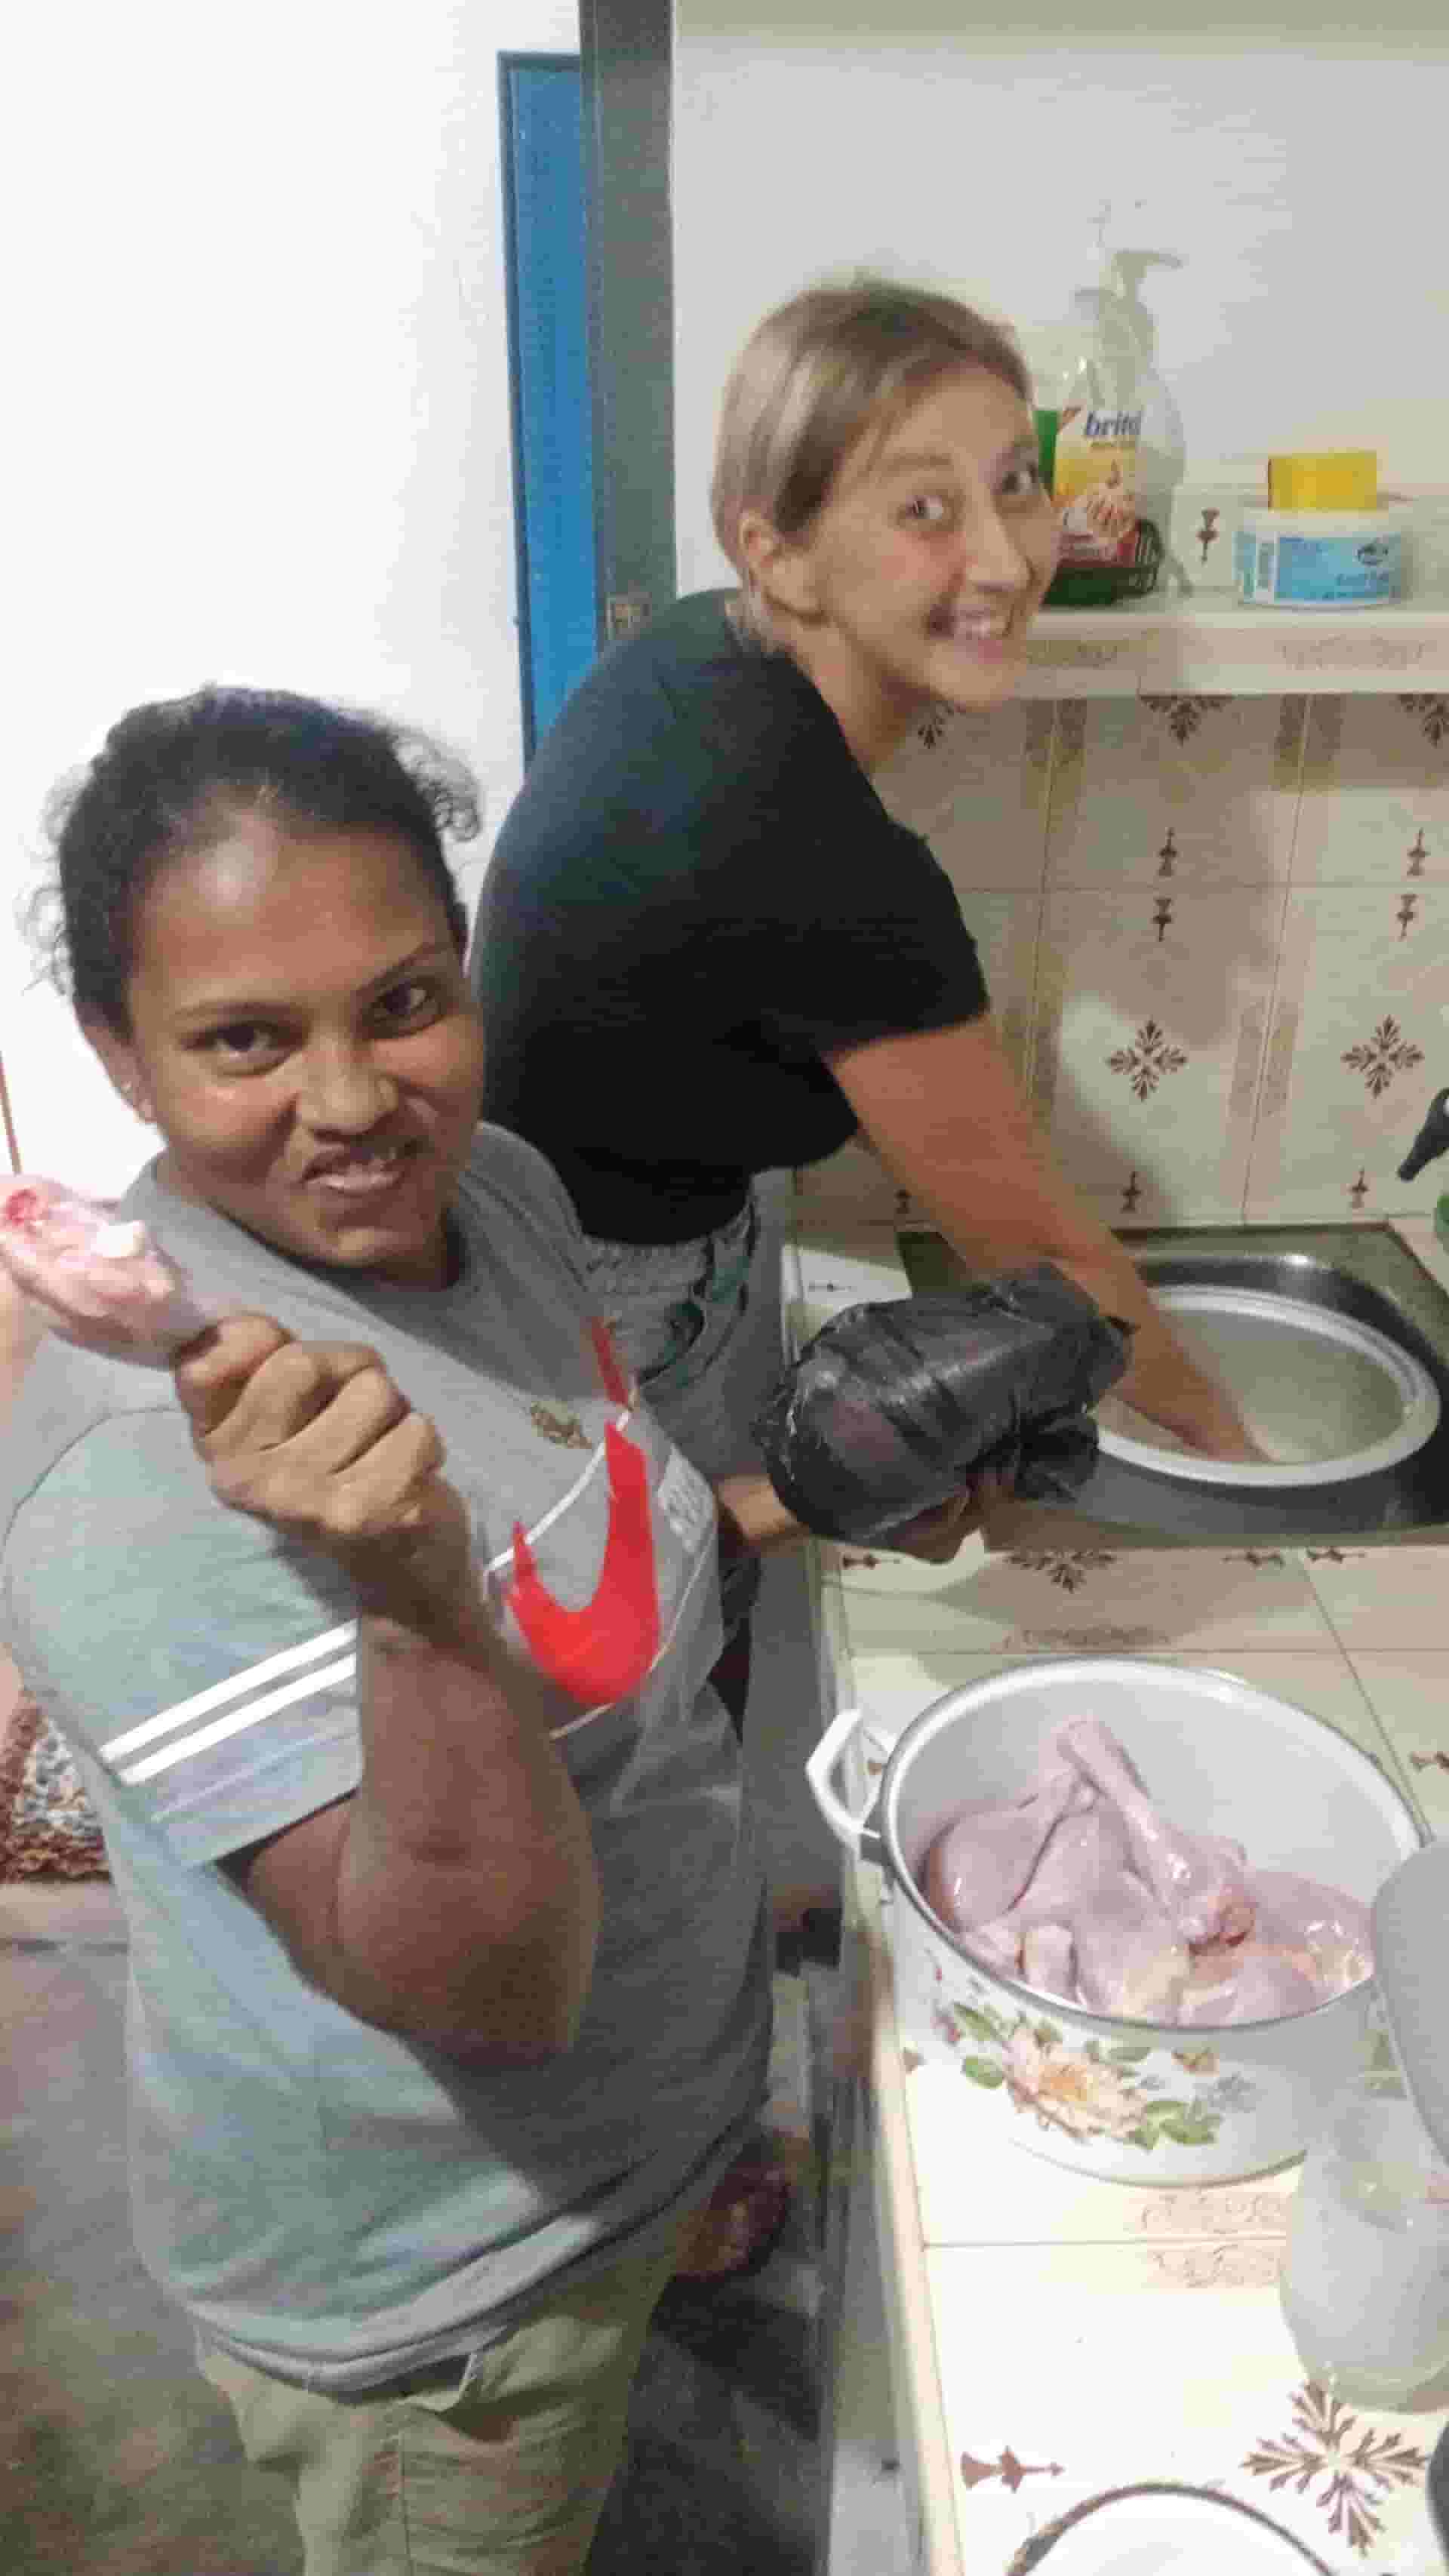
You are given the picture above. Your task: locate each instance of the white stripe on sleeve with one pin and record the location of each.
(252, 1715)
(245, 1686)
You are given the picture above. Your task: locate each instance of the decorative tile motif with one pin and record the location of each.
(1149, 1057)
(1432, 714)
(1006, 2466)
(1339, 2459)
(1375, 807)
(1358, 1029)
(1387, 1053)
(1196, 787)
(1227, 2424)
(1067, 1567)
(1209, 929)
(1148, 1043)
(1196, 1602)
(1184, 715)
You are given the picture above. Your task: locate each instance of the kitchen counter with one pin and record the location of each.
(1054, 2338)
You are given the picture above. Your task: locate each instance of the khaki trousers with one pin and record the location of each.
(497, 2464)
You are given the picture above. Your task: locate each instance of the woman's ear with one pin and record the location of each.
(122, 1065)
(781, 569)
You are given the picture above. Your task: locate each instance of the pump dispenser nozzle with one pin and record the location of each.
(1432, 1139)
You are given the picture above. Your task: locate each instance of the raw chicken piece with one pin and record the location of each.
(100, 1284)
(1249, 1982)
(1101, 1917)
(1048, 1960)
(1308, 1942)
(1198, 1878)
(996, 1945)
(979, 1865)
(1129, 1959)
(1319, 1925)
(1084, 1849)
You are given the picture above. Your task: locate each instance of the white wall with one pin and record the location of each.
(1293, 169)
(259, 426)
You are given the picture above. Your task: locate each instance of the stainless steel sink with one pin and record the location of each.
(1345, 1277)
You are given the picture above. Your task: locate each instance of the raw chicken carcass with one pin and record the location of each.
(1321, 1926)
(1130, 1962)
(1248, 1981)
(1308, 1942)
(1049, 1959)
(1086, 1847)
(1198, 1879)
(100, 1283)
(980, 1863)
(1111, 1888)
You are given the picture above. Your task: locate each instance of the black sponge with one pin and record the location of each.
(893, 1408)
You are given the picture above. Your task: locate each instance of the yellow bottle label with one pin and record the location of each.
(1094, 484)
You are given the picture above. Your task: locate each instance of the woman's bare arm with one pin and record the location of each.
(946, 1114)
(454, 1897)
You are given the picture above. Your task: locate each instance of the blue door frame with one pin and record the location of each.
(552, 422)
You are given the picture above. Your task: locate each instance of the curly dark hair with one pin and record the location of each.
(174, 776)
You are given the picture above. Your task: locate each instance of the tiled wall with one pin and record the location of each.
(1214, 931)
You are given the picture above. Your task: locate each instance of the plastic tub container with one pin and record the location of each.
(1322, 558)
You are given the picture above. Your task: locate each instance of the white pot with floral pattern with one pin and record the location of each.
(1133, 2101)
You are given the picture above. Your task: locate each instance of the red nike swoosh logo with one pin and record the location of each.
(603, 1651)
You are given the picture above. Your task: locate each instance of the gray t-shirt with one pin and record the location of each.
(332, 2203)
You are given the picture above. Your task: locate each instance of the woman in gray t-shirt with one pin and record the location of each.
(379, 1627)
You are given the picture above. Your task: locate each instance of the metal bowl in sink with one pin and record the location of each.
(1362, 1277)
(1325, 1395)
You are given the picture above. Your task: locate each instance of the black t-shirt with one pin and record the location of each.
(696, 895)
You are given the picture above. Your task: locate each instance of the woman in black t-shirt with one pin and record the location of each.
(704, 949)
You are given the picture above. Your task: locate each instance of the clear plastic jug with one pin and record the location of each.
(1365, 2280)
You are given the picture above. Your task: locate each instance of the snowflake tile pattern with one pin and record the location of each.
(1357, 1027)
(1148, 1060)
(1387, 1053)
(1151, 1011)
(1213, 932)
(1346, 2465)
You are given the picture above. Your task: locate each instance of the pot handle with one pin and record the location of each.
(854, 1831)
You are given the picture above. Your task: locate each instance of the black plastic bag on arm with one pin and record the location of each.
(893, 1408)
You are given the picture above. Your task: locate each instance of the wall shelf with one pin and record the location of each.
(1208, 643)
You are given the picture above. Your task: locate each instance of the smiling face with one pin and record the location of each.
(302, 1033)
(916, 581)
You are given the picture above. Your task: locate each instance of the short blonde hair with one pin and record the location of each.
(816, 373)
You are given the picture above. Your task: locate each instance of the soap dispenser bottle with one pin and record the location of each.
(1089, 402)
(1432, 1141)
